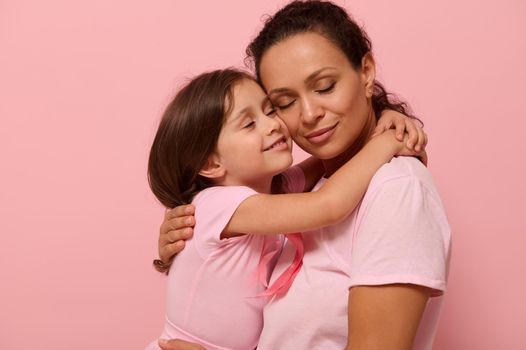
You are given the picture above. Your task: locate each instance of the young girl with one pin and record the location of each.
(221, 146)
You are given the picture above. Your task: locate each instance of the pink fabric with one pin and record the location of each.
(214, 283)
(284, 281)
(398, 234)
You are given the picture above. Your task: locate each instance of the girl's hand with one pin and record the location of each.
(176, 228)
(389, 139)
(417, 138)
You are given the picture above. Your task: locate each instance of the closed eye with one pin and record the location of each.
(285, 106)
(270, 112)
(249, 124)
(327, 89)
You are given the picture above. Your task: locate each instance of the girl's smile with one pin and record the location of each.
(254, 144)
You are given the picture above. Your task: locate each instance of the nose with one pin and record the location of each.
(272, 125)
(310, 110)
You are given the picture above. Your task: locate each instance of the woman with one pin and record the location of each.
(387, 272)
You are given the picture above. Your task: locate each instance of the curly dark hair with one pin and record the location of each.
(332, 22)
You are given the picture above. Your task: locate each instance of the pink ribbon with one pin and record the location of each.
(282, 284)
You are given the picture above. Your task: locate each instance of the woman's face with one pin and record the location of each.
(322, 99)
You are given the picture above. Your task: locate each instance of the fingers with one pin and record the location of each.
(167, 251)
(378, 130)
(413, 133)
(400, 126)
(175, 229)
(423, 157)
(422, 141)
(182, 210)
(172, 242)
(178, 235)
(176, 344)
(177, 223)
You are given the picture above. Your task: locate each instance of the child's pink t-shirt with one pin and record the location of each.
(213, 285)
(398, 234)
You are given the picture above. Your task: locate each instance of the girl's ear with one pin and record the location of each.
(213, 168)
(368, 73)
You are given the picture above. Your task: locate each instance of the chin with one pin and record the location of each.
(325, 152)
(287, 163)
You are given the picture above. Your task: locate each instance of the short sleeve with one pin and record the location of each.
(402, 236)
(214, 208)
(294, 180)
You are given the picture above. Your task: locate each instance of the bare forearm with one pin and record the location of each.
(385, 317)
(274, 214)
(313, 170)
(346, 187)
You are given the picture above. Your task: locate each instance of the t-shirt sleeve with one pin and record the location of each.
(214, 208)
(402, 237)
(294, 180)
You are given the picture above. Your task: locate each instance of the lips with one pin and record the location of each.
(321, 135)
(280, 143)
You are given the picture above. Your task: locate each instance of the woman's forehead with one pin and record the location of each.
(297, 58)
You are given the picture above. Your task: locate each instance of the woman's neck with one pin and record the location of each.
(332, 165)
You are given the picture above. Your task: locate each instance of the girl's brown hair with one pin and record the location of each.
(188, 134)
(332, 22)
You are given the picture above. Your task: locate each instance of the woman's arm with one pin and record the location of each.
(176, 344)
(385, 317)
(298, 212)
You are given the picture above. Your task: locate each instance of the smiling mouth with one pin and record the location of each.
(321, 135)
(279, 144)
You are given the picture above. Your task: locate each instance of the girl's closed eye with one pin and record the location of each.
(270, 112)
(248, 124)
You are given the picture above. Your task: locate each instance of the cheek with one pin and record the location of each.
(290, 121)
(354, 106)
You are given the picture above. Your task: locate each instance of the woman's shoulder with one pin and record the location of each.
(402, 169)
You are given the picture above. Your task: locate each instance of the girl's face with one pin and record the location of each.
(322, 99)
(254, 144)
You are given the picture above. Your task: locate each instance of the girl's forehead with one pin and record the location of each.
(248, 96)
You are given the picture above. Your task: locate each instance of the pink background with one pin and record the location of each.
(82, 86)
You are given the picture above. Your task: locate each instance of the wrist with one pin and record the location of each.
(386, 143)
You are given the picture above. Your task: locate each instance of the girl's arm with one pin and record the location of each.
(313, 170)
(298, 212)
(416, 139)
(178, 223)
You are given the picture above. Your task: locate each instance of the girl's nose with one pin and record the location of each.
(272, 125)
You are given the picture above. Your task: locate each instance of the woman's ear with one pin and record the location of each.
(368, 73)
(213, 168)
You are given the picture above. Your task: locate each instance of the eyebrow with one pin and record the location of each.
(241, 113)
(318, 72)
(247, 108)
(311, 77)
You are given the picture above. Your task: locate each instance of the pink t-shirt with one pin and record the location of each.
(398, 234)
(213, 285)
